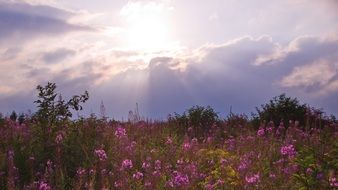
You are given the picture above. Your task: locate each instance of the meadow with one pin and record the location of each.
(195, 150)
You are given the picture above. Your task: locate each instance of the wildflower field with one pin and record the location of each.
(193, 151)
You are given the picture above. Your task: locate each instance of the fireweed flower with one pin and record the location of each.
(157, 165)
(147, 184)
(309, 171)
(120, 132)
(44, 186)
(127, 164)
(252, 179)
(169, 141)
(269, 129)
(10, 154)
(58, 138)
(272, 175)
(101, 154)
(138, 175)
(333, 182)
(288, 150)
(186, 146)
(145, 165)
(260, 132)
(178, 179)
(80, 172)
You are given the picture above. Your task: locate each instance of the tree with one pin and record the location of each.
(51, 110)
(13, 116)
(21, 118)
(281, 109)
(199, 118)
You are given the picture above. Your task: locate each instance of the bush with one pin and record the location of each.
(199, 118)
(281, 109)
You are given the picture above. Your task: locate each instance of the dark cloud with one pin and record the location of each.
(22, 21)
(226, 76)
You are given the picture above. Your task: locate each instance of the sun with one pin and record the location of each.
(146, 26)
(149, 34)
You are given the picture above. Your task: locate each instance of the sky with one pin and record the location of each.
(169, 55)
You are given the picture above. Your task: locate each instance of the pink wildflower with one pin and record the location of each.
(120, 132)
(169, 141)
(333, 182)
(260, 132)
(288, 150)
(58, 138)
(101, 154)
(138, 175)
(157, 165)
(252, 179)
(127, 164)
(44, 186)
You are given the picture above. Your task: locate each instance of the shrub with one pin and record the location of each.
(199, 118)
(281, 109)
(52, 110)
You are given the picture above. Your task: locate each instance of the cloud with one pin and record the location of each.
(242, 73)
(57, 55)
(307, 64)
(23, 21)
(317, 74)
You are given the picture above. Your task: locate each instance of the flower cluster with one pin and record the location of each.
(252, 179)
(333, 182)
(178, 180)
(138, 175)
(44, 186)
(101, 154)
(261, 132)
(80, 172)
(127, 164)
(120, 132)
(58, 138)
(288, 150)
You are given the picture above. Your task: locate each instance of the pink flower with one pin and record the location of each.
(333, 182)
(309, 171)
(101, 154)
(178, 179)
(127, 164)
(169, 141)
(252, 179)
(157, 165)
(288, 150)
(145, 165)
(186, 146)
(138, 175)
(120, 132)
(44, 186)
(147, 184)
(58, 138)
(80, 171)
(260, 132)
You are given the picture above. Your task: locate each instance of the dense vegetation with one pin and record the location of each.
(286, 145)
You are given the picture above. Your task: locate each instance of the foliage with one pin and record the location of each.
(281, 109)
(199, 118)
(52, 110)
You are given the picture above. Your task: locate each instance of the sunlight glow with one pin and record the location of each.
(148, 34)
(147, 27)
